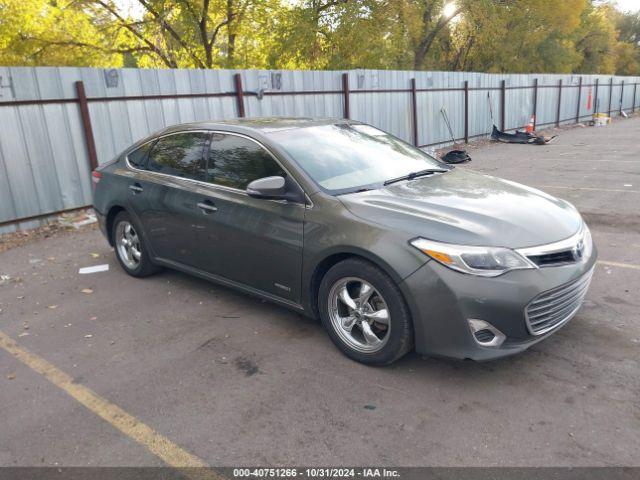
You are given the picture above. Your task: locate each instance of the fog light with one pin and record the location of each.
(486, 334)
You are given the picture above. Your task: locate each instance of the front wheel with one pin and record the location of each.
(364, 313)
(130, 247)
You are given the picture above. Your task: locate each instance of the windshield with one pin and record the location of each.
(343, 157)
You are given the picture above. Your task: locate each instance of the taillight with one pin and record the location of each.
(95, 178)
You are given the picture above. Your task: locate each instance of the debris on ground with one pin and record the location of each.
(519, 137)
(601, 119)
(94, 269)
(54, 228)
(87, 291)
(453, 156)
(77, 220)
(11, 376)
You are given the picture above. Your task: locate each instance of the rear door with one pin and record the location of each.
(138, 187)
(247, 240)
(171, 218)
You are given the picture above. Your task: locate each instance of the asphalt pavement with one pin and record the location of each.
(100, 369)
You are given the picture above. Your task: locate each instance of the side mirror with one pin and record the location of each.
(275, 188)
(272, 188)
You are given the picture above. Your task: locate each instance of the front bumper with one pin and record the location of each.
(442, 301)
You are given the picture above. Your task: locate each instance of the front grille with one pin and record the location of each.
(556, 258)
(554, 307)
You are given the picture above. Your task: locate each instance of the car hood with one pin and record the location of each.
(468, 208)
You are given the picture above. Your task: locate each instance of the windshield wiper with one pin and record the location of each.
(412, 175)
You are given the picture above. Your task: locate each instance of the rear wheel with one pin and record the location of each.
(364, 312)
(130, 247)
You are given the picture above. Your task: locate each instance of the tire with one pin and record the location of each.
(136, 260)
(346, 325)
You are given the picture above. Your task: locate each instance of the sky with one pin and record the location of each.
(628, 5)
(133, 7)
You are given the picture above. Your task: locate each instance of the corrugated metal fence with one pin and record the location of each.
(57, 123)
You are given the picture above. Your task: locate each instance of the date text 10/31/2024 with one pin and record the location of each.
(315, 473)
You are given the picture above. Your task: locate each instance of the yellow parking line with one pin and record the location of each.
(159, 445)
(619, 264)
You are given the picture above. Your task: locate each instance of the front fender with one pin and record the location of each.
(331, 231)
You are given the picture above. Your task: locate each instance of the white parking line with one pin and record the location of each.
(585, 160)
(590, 189)
(619, 264)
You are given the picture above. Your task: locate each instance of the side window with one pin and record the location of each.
(180, 155)
(237, 161)
(138, 157)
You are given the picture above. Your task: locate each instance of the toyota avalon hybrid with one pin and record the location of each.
(392, 249)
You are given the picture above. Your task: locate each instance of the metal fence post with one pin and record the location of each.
(86, 124)
(621, 97)
(466, 111)
(414, 112)
(610, 95)
(633, 103)
(503, 94)
(559, 102)
(579, 94)
(535, 102)
(237, 78)
(345, 92)
(595, 98)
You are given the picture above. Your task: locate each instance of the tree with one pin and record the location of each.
(582, 36)
(516, 36)
(596, 41)
(36, 32)
(627, 50)
(195, 33)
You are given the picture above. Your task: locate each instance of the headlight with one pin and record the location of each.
(483, 261)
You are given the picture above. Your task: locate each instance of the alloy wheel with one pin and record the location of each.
(359, 314)
(128, 244)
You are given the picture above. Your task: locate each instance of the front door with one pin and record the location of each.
(251, 241)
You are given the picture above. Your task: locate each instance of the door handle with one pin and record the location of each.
(135, 188)
(207, 207)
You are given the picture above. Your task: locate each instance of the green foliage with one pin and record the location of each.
(36, 32)
(481, 35)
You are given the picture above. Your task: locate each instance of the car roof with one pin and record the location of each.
(262, 124)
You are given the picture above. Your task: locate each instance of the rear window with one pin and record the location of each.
(138, 157)
(181, 155)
